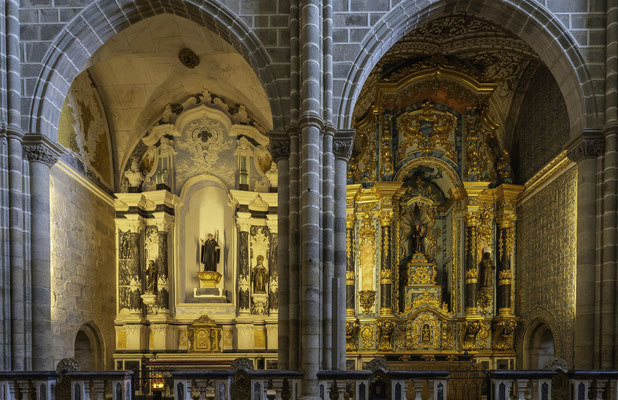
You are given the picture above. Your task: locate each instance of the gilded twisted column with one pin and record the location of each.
(350, 261)
(386, 270)
(471, 272)
(506, 241)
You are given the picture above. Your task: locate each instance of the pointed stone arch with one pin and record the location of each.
(74, 46)
(526, 19)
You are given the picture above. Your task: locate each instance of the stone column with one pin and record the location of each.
(244, 225)
(584, 150)
(244, 321)
(280, 150)
(41, 155)
(342, 148)
(16, 346)
(471, 268)
(609, 355)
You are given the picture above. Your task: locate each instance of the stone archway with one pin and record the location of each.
(529, 21)
(540, 347)
(80, 39)
(88, 348)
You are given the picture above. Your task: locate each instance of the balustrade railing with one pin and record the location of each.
(520, 384)
(250, 384)
(595, 385)
(557, 384)
(73, 385)
(287, 385)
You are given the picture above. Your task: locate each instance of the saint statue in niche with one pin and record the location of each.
(210, 253)
(152, 276)
(425, 334)
(417, 239)
(487, 268)
(259, 276)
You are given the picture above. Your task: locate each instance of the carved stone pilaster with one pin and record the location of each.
(589, 144)
(279, 145)
(343, 144)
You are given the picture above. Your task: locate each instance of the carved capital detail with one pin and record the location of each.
(343, 144)
(40, 153)
(587, 145)
(279, 145)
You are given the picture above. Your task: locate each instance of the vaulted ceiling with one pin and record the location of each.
(138, 72)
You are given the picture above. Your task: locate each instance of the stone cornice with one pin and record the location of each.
(590, 144)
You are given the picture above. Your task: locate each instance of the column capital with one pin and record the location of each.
(589, 144)
(39, 148)
(279, 145)
(343, 145)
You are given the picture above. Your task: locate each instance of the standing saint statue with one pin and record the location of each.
(152, 275)
(210, 253)
(417, 237)
(487, 268)
(259, 276)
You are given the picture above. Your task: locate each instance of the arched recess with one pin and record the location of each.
(201, 196)
(74, 46)
(89, 348)
(540, 345)
(526, 19)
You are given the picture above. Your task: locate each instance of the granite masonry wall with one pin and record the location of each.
(83, 273)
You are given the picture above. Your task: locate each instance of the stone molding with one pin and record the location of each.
(279, 145)
(590, 144)
(343, 144)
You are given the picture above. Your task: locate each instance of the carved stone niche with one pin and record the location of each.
(205, 335)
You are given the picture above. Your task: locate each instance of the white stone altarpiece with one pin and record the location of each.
(203, 168)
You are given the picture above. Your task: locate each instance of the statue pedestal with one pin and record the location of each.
(149, 299)
(259, 303)
(209, 279)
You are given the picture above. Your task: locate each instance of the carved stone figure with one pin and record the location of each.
(134, 176)
(259, 276)
(487, 268)
(417, 239)
(166, 153)
(210, 253)
(152, 275)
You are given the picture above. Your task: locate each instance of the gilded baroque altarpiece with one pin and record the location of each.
(431, 219)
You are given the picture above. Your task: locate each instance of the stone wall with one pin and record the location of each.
(82, 264)
(355, 23)
(542, 128)
(546, 262)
